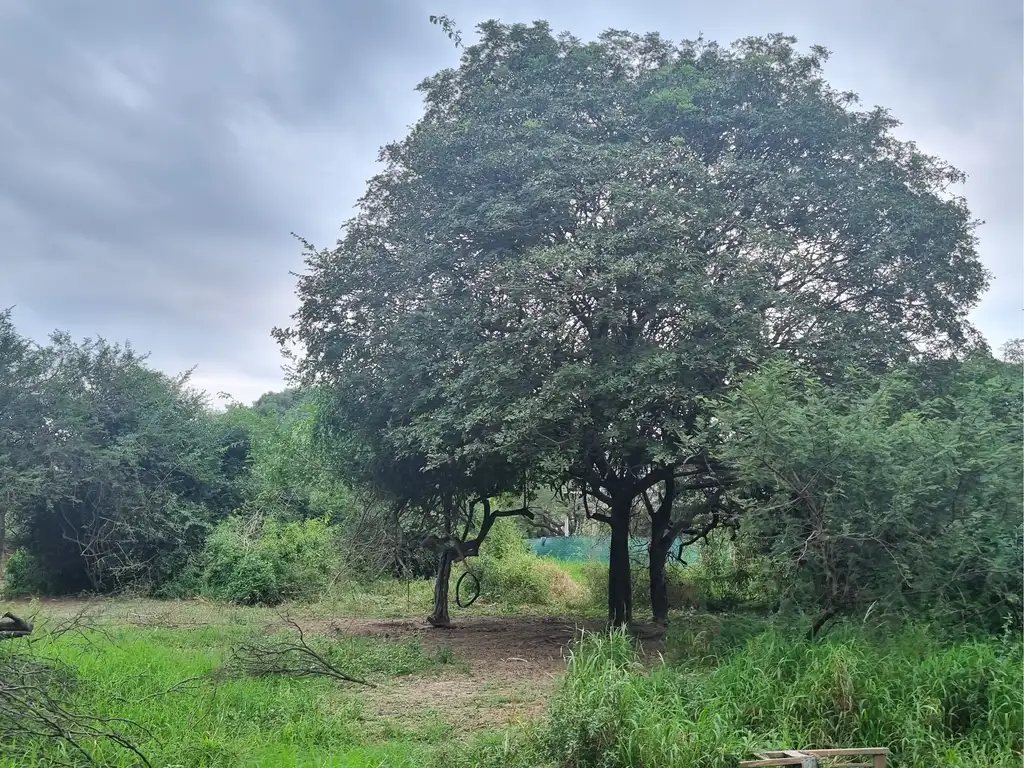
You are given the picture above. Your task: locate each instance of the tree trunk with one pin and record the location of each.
(620, 585)
(440, 618)
(3, 543)
(662, 537)
(657, 552)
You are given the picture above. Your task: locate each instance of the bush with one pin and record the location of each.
(509, 572)
(23, 576)
(729, 574)
(267, 563)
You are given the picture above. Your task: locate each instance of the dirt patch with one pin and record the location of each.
(512, 665)
(487, 643)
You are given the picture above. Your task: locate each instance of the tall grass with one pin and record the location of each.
(931, 705)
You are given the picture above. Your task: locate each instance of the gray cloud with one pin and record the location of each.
(156, 155)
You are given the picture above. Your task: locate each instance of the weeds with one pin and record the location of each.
(955, 706)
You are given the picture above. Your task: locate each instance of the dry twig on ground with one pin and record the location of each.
(287, 658)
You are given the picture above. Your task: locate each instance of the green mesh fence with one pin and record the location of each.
(592, 549)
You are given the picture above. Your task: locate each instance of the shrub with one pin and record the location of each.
(511, 573)
(249, 563)
(728, 574)
(23, 575)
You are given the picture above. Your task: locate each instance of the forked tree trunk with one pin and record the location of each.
(620, 586)
(439, 617)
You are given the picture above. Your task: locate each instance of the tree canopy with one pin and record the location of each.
(579, 241)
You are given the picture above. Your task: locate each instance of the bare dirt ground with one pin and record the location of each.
(506, 670)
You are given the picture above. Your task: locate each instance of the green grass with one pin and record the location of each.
(729, 685)
(932, 704)
(136, 675)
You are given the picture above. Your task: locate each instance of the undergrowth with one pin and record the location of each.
(162, 689)
(959, 705)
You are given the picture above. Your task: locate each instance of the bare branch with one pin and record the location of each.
(287, 658)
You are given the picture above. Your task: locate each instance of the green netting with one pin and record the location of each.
(591, 549)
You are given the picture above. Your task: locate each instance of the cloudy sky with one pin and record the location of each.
(155, 155)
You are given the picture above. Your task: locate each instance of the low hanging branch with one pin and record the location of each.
(295, 658)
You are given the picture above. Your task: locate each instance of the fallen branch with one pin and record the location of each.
(296, 658)
(36, 694)
(11, 626)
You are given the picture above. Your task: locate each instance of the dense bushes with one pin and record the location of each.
(900, 491)
(511, 573)
(265, 562)
(112, 472)
(931, 705)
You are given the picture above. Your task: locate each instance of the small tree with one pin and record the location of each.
(126, 472)
(424, 499)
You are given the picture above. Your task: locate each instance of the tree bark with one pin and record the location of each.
(657, 553)
(620, 586)
(662, 536)
(439, 617)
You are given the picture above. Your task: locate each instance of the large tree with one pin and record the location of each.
(580, 241)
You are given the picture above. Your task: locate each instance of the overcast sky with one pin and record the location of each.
(155, 154)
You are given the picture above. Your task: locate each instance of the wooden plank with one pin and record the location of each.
(797, 757)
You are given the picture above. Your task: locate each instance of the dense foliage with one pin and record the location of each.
(580, 242)
(898, 492)
(665, 287)
(117, 471)
(116, 476)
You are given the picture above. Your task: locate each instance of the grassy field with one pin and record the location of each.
(177, 680)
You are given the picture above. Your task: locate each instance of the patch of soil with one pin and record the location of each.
(513, 665)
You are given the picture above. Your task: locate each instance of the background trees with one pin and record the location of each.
(580, 243)
(117, 475)
(679, 285)
(898, 491)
